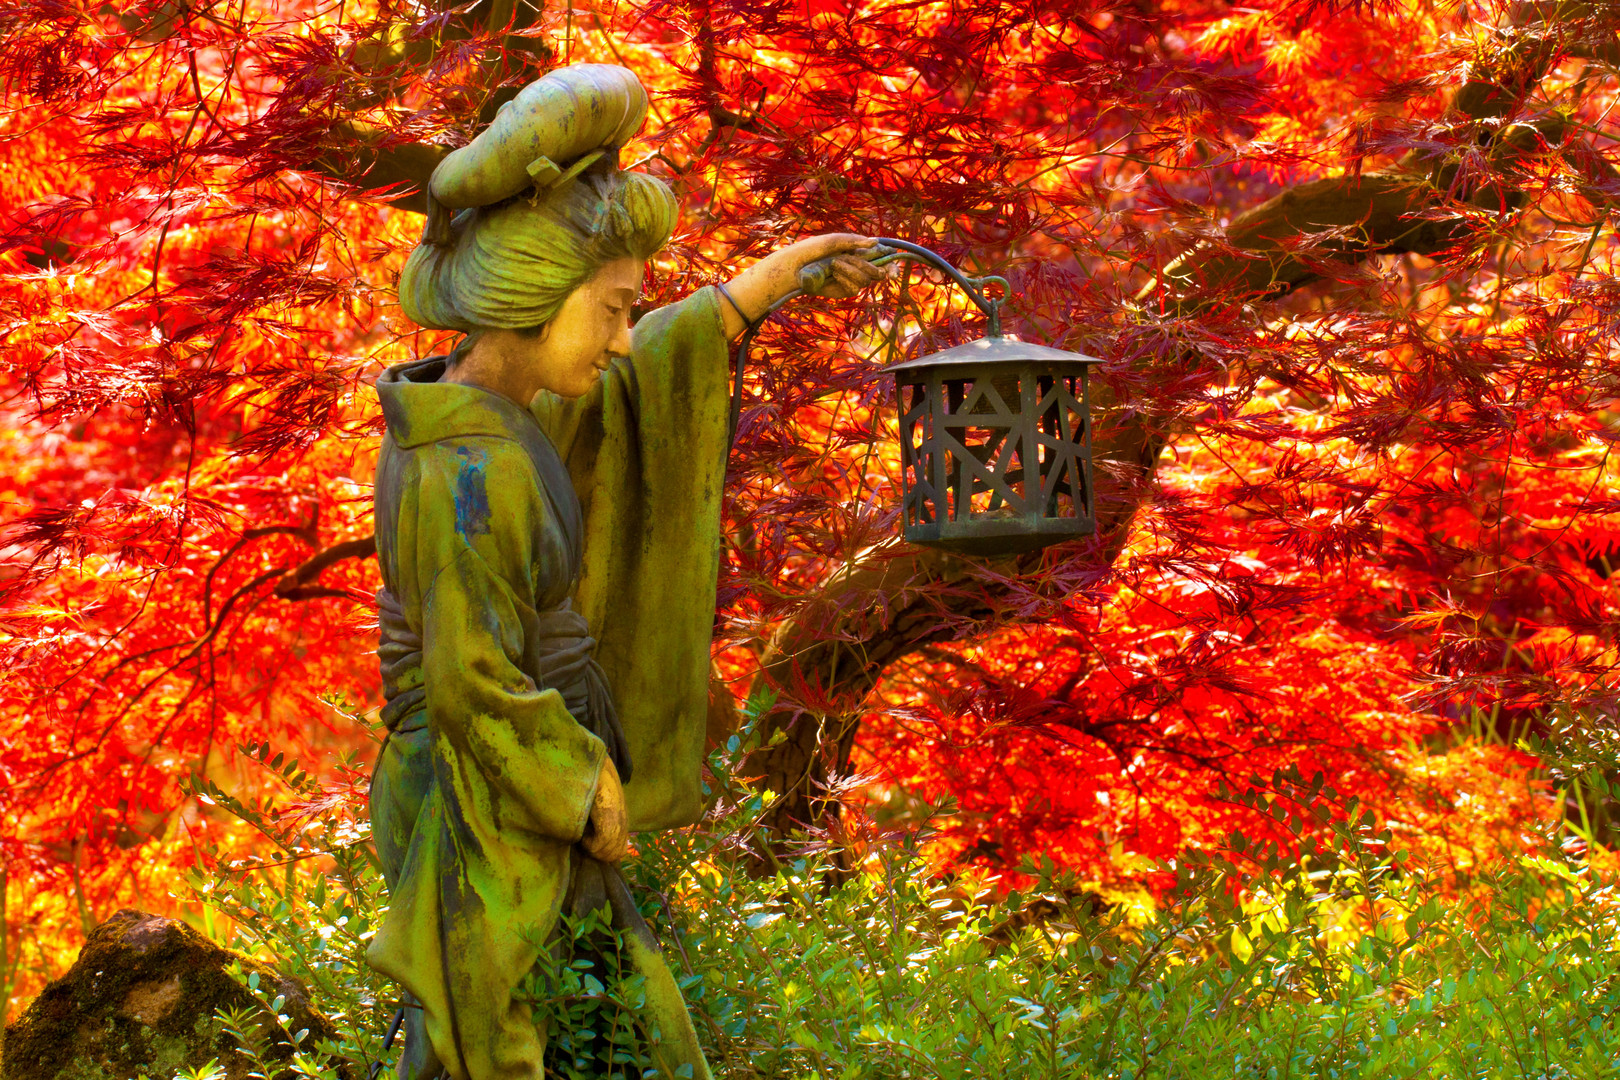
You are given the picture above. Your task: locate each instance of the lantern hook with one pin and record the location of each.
(814, 276)
(973, 286)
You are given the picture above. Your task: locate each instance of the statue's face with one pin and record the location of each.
(591, 328)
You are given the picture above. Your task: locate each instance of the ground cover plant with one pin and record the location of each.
(1351, 268)
(1355, 960)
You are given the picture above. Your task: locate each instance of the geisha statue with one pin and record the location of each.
(548, 525)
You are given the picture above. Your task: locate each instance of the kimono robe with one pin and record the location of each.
(549, 583)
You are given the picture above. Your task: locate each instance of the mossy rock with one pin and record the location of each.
(140, 1001)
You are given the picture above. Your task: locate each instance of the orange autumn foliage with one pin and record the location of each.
(1382, 505)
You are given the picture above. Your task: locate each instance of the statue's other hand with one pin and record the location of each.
(607, 833)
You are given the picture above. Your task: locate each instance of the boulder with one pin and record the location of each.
(140, 1001)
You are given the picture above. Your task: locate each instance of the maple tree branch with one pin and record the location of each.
(295, 584)
(303, 532)
(368, 161)
(290, 585)
(1282, 243)
(719, 116)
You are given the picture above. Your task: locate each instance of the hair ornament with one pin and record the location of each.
(544, 172)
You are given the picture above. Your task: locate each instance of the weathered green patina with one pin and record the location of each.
(548, 522)
(488, 776)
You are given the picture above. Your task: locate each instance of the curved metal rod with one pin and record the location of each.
(393, 1031)
(743, 342)
(971, 286)
(888, 250)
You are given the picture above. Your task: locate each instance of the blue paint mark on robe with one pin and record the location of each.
(472, 500)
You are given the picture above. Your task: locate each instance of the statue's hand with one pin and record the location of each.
(842, 266)
(607, 833)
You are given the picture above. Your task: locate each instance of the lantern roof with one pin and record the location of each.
(993, 350)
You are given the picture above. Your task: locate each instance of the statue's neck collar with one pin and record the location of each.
(419, 408)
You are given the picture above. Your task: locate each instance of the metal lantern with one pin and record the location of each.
(995, 438)
(995, 447)
(995, 435)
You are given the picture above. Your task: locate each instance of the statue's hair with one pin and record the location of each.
(511, 265)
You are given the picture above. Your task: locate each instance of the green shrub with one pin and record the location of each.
(1350, 962)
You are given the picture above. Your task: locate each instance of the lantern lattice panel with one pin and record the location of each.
(997, 458)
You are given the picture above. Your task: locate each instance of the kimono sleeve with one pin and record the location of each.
(515, 755)
(647, 454)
